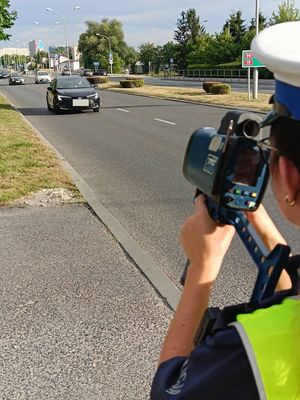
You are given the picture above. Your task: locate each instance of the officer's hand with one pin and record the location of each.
(205, 242)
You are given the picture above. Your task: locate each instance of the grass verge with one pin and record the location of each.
(234, 99)
(26, 164)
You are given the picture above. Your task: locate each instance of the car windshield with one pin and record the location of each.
(72, 82)
(15, 75)
(42, 73)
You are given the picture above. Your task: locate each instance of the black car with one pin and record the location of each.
(100, 72)
(4, 73)
(16, 79)
(72, 93)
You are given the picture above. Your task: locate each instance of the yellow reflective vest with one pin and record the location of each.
(271, 337)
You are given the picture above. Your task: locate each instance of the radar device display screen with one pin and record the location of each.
(247, 166)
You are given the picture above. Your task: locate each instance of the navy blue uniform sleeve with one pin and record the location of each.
(217, 369)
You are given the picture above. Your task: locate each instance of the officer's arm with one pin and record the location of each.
(205, 244)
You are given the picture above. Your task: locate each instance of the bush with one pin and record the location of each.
(220, 88)
(208, 85)
(131, 83)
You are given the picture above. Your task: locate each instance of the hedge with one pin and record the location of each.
(131, 83)
(220, 88)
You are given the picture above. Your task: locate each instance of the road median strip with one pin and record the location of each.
(194, 95)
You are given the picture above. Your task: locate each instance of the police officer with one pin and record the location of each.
(256, 356)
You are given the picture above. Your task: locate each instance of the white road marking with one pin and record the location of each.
(122, 109)
(164, 121)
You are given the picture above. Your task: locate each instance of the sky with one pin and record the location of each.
(151, 21)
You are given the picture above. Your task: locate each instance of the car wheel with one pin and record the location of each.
(48, 105)
(56, 108)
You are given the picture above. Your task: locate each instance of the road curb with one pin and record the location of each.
(159, 280)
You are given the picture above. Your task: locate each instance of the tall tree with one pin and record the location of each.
(287, 11)
(7, 18)
(186, 34)
(235, 25)
(262, 22)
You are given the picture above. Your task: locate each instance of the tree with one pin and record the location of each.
(286, 12)
(262, 22)
(169, 52)
(148, 54)
(235, 25)
(7, 18)
(95, 43)
(186, 34)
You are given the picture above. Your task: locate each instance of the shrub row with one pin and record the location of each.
(95, 80)
(131, 83)
(213, 87)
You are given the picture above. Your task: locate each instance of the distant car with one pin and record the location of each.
(72, 93)
(86, 72)
(101, 72)
(42, 77)
(4, 73)
(16, 79)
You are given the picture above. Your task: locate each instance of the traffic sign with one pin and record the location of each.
(249, 61)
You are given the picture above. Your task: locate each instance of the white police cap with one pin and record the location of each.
(278, 47)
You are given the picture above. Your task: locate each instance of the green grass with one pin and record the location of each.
(26, 164)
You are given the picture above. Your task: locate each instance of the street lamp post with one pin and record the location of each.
(110, 53)
(65, 31)
(255, 70)
(47, 35)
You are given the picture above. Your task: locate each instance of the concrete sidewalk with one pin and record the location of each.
(78, 319)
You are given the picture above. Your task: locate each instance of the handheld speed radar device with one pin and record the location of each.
(228, 166)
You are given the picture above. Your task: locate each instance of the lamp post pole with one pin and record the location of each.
(255, 70)
(110, 53)
(65, 32)
(47, 36)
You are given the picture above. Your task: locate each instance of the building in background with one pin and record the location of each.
(35, 46)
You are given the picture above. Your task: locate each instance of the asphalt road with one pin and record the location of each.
(131, 155)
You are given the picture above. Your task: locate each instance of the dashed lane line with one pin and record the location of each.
(122, 109)
(164, 121)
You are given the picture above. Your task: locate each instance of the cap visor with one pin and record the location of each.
(270, 118)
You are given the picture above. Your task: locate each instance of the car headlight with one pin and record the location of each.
(60, 97)
(93, 96)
